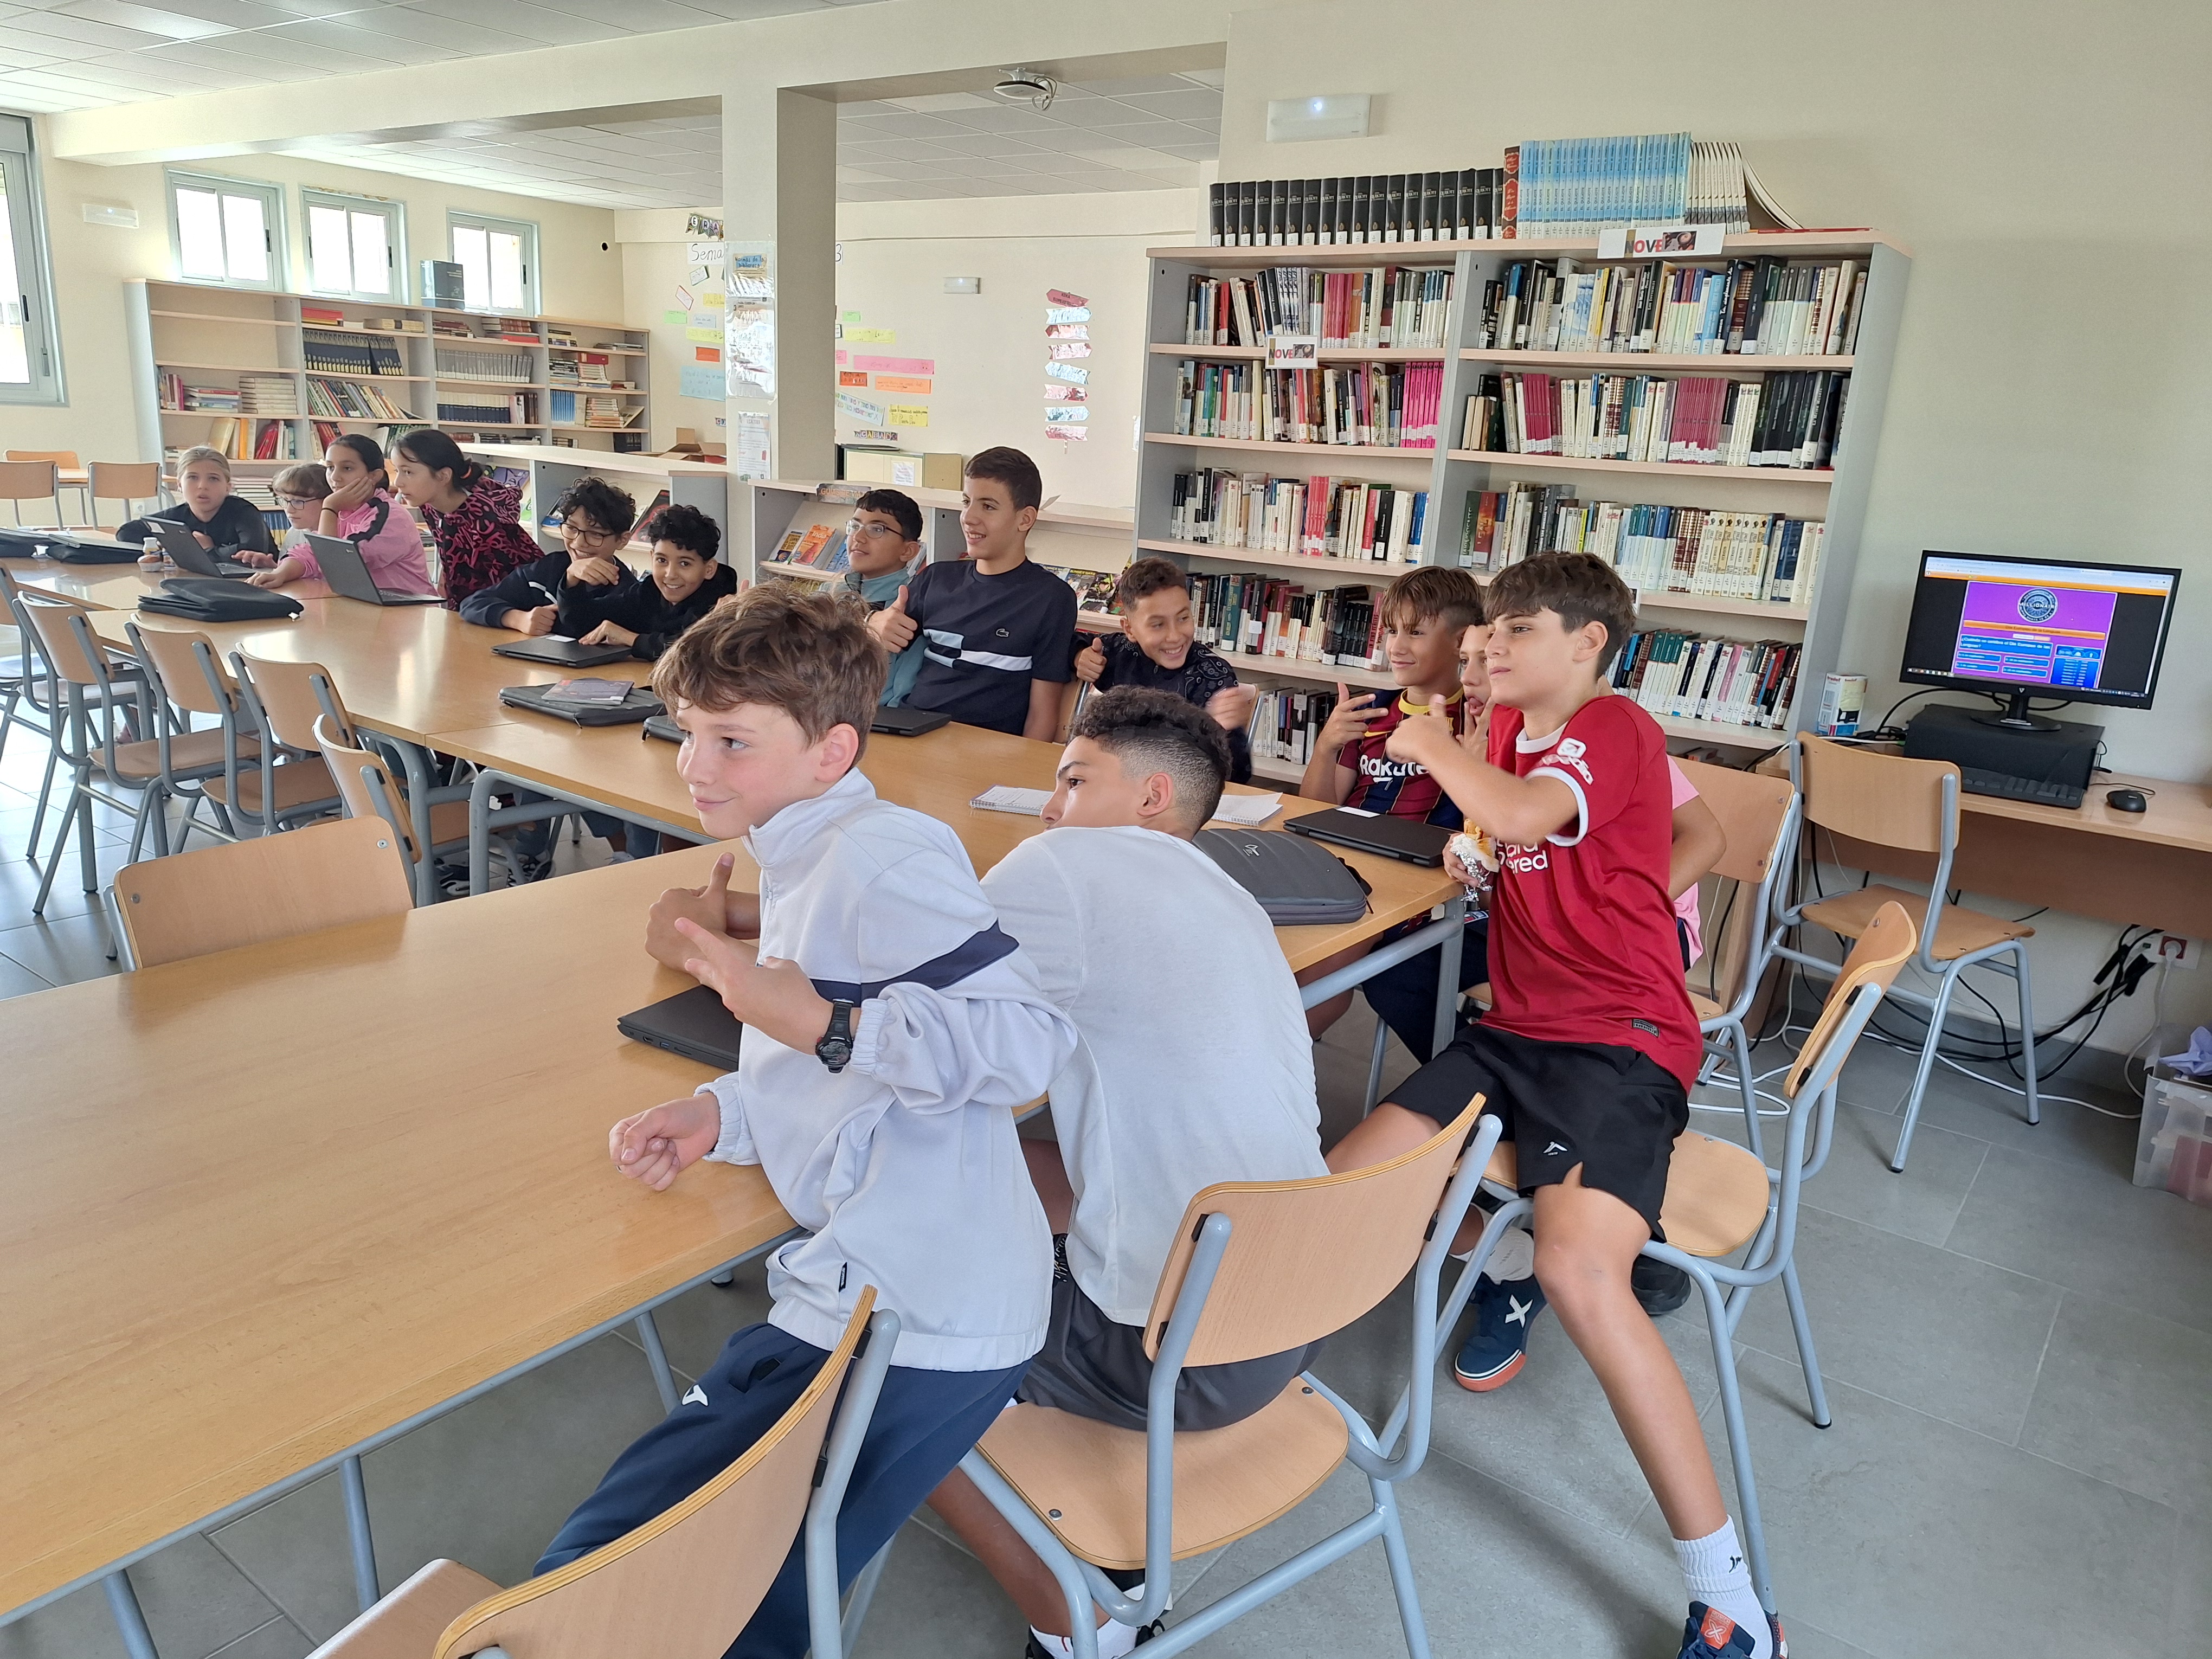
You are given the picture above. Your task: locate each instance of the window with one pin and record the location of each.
(229, 231)
(357, 246)
(498, 260)
(30, 370)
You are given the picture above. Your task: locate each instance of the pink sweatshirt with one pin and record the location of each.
(1686, 906)
(391, 545)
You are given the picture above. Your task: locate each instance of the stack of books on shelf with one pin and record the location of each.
(817, 546)
(1286, 722)
(1248, 615)
(246, 440)
(1315, 517)
(274, 395)
(1464, 204)
(1788, 419)
(1764, 557)
(508, 368)
(311, 315)
(327, 433)
(606, 413)
(523, 330)
(590, 370)
(391, 324)
(182, 396)
(351, 400)
(1695, 677)
(1378, 405)
(1766, 307)
(481, 410)
(1093, 589)
(341, 354)
(1389, 307)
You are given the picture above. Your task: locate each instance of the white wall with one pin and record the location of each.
(577, 276)
(2045, 161)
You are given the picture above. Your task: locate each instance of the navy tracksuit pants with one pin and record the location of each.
(925, 1423)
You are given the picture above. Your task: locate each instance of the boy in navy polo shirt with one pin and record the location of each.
(997, 632)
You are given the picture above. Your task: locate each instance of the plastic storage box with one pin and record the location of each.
(2174, 1146)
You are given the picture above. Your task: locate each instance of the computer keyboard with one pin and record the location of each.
(1975, 782)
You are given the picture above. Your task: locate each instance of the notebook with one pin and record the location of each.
(693, 1024)
(1247, 810)
(1004, 797)
(1405, 839)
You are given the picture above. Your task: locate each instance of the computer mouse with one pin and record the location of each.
(2126, 800)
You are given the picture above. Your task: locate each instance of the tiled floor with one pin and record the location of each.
(2017, 1343)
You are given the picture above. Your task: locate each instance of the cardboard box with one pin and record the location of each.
(903, 471)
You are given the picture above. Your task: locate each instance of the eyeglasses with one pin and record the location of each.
(862, 527)
(571, 531)
(299, 501)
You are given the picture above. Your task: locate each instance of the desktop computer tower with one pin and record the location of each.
(1969, 738)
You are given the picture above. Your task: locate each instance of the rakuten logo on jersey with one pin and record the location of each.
(1382, 769)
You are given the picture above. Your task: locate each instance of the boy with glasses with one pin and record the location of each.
(595, 520)
(882, 544)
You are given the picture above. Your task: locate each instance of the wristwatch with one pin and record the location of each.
(835, 1049)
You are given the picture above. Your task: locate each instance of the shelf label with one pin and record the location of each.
(1293, 351)
(1644, 241)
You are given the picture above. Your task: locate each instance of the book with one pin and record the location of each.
(1681, 675)
(1314, 517)
(1287, 723)
(1442, 206)
(1374, 405)
(1004, 797)
(1790, 419)
(1760, 307)
(1255, 614)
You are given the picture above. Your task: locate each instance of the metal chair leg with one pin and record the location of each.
(2027, 1031)
(69, 816)
(1927, 1064)
(1747, 1488)
(1815, 1393)
(1374, 1065)
(1402, 1571)
(648, 1336)
(38, 812)
(863, 1592)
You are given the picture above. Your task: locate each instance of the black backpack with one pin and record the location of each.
(219, 599)
(1299, 883)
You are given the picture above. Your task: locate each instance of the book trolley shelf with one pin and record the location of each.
(1836, 494)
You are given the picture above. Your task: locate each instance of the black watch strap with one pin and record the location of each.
(835, 1049)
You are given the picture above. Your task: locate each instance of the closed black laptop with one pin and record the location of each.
(904, 722)
(665, 727)
(639, 706)
(693, 1024)
(1405, 839)
(562, 653)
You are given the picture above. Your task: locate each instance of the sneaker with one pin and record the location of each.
(1708, 1633)
(1660, 1286)
(530, 867)
(1144, 1634)
(1495, 1348)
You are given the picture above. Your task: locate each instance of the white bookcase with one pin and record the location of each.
(1838, 496)
(550, 469)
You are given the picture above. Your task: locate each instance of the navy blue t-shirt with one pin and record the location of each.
(985, 638)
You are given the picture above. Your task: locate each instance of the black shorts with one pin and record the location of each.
(1614, 1110)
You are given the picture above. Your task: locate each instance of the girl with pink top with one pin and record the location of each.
(361, 509)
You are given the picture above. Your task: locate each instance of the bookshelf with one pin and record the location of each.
(543, 472)
(284, 353)
(1837, 495)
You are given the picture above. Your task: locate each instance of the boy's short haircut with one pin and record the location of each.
(1581, 587)
(902, 508)
(1151, 731)
(305, 479)
(1146, 577)
(1434, 593)
(688, 528)
(1013, 469)
(613, 510)
(806, 652)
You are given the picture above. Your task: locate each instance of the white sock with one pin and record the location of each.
(1115, 1641)
(1514, 1256)
(1715, 1571)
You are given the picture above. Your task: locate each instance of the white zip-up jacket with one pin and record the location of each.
(904, 1167)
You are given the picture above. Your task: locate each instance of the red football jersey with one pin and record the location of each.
(1583, 944)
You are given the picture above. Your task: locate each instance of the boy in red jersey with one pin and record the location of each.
(1590, 1046)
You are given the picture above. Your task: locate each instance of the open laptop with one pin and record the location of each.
(178, 544)
(693, 1024)
(347, 573)
(1407, 840)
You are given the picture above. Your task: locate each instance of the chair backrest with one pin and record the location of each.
(186, 667)
(323, 875)
(1885, 799)
(367, 786)
(682, 1585)
(19, 481)
(54, 621)
(1887, 943)
(1306, 1258)
(1752, 808)
(123, 481)
(61, 458)
(286, 693)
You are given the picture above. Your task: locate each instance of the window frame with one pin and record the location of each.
(394, 214)
(271, 197)
(456, 219)
(27, 217)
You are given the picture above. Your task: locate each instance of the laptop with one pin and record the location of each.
(178, 544)
(80, 547)
(693, 1024)
(1407, 840)
(663, 727)
(561, 652)
(347, 573)
(903, 722)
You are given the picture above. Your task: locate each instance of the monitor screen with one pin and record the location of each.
(2058, 628)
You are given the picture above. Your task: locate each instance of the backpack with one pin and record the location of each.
(219, 599)
(1299, 883)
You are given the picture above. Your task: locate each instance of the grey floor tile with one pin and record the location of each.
(2189, 1605)
(1856, 1181)
(2122, 1396)
(488, 1485)
(936, 1602)
(16, 979)
(2088, 1230)
(195, 1602)
(1917, 1540)
(1807, 1642)
(1955, 1338)
(2068, 1133)
(19, 878)
(280, 1639)
(62, 951)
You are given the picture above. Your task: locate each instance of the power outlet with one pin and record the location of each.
(2172, 950)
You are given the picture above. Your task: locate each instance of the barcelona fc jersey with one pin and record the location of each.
(1396, 788)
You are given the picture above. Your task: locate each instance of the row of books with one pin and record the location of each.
(520, 409)
(1766, 307)
(1790, 420)
(504, 366)
(1247, 614)
(1467, 205)
(348, 353)
(180, 395)
(351, 400)
(275, 395)
(1694, 676)
(1317, 517)
(1766, 558)
(244, 439)
(1579, 186)
(1387, 307)
(326, 433)
(1382, 405)
(588, 369)
(521, 330)
(819, 546)
(1286, 722)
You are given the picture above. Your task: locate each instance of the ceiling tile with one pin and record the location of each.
(1191, 104)
(1122, 88)
(639, 16)
(231, 14)
(936, 103)
(1010, 119)
(519, 22)
(15, 56)
(462, 39)
(60, 26)
(1146, 134)
(899, 124)
(163, 25)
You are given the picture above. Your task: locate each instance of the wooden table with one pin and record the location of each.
(239, 1239)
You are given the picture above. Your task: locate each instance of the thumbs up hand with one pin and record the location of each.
(1091, 662)
(893, 628)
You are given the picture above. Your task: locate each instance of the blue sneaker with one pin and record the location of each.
(1494, 1350)
(1708, 1633)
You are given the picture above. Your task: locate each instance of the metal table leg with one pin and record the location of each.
(365, 1588)
(123, 1602)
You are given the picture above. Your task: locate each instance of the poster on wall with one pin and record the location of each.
(1067, 340)
(750, 456)
(749, 338)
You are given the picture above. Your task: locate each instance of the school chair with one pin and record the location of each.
(1722, 1198)
(35, 698)
(682, 1585)
(286, 781)
(64, 460)
(1072, 697)
(127, 482)
(188, 675)
(369, 790)
(28, 481)
(323, 875)
(1759, 815)
(1259, 1267)
(1913, 805)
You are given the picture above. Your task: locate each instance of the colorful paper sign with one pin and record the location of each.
(1073, 373)
(699, 380)
(1066, 314)
(841, 363)
(1061, 350)
(703, 336)
(705, 354)
(1066, 394)
(850, 316)
(910, 414)
(675, 319)
(704, 318)
(859, 408)
(871, 336)
(897, 365)
(1067, 330)
(850, 376)
(875, 435)
(685, 297)
(1070, 415)
(1060, 296)
(901, 383)
(1068, 434)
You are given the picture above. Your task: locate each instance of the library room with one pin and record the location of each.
(728, 728)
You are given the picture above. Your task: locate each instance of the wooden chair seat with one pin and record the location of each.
(1704, 1007)
(1087, 1478)
(1717, 1193)
(298, 783)
(1958, 932)
(407, 1622)
(189, 752)
(1480, 996)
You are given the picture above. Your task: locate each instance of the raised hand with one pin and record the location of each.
(711, 906)
(1348, 719)
(1231, 706)
(893, 628)
(1091, 662)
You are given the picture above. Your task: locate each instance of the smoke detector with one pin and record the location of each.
(1023, 86)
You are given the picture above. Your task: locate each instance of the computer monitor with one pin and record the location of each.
(2019, 628)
